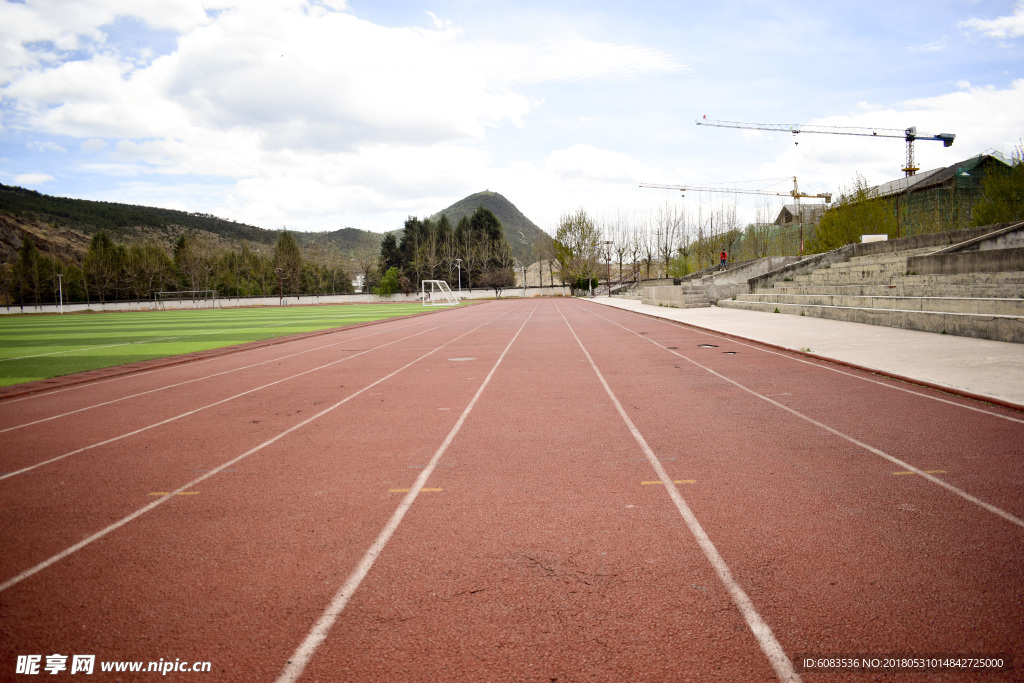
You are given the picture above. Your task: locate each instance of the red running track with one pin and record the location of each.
(529, 490)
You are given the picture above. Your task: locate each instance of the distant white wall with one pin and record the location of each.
(241, 302)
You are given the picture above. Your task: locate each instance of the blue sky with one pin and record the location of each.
(321, 114)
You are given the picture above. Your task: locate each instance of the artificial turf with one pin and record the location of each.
(34, 347)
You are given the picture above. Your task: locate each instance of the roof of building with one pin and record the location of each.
(936, 176)
(809, 213)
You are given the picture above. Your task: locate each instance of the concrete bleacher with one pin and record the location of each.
(676, 296)
(874, 285)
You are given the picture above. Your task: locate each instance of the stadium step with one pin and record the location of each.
(1008, 328)
(878, 290)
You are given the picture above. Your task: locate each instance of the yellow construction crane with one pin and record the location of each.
(908, 134)
(795, 193)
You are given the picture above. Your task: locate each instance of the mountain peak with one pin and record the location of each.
(520, 231)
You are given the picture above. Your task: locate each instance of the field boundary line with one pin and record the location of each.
(1013, 519)
(172, 495)
(316, 636)
(762, 631)
(61, 383)
(190, 381)
(8, 475)
(792, 354)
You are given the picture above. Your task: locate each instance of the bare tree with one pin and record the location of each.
(647, 242)
(366, 263)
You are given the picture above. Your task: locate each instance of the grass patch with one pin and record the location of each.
(34, 347)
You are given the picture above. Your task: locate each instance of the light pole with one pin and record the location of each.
(280, 286)
(523, 266)
(608, 255)
(458, 264)
(60, 292)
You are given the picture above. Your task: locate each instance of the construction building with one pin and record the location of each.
(941, 199)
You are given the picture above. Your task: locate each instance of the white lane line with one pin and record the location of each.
(882, 454)
(172, 495)
(210, 405)
(318, 633)
(762, 632)
(823, 366)
(43, 393)
(197, 379)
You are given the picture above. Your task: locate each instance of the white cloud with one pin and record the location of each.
(1001, 27)
(45, 146)
(571, 58)
(310, 115)
(981, 118)
(595, 164)
(30, 179)
(934, 46)
(75, 25)
(304, 76)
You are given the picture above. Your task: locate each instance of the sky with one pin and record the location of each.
(324, 114)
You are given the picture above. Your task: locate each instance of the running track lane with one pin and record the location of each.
(544, 556)
(60, 502)
(145, 552)
(850, 554)
(834, 557)
(111, 419)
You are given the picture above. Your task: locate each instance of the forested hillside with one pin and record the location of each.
(109, 251)
(472, 253)
(50, 218)
(522, 234)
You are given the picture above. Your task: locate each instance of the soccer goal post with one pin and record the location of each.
(200, 298)
(438, 293)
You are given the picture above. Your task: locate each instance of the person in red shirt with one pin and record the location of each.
(724, 258)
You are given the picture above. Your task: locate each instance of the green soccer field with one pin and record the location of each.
(34, 347)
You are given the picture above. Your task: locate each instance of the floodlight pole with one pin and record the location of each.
(524, 279)
(458, 264)
(60, 292)
(280, 287)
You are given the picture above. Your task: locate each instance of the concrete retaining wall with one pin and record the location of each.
(735, 281)
(677, 296)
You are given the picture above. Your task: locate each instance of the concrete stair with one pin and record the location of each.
(679, 296)
(878, 290)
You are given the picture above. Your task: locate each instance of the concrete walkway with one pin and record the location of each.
(975, 366)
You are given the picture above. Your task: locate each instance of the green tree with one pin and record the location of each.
(389, 255)
(388, 284)
(102, 265)
(27, 272)
(194, 261)
(148, 268)
(1002, 193)
(856, 212)
(7, 282)
(288, 258)
(576, 245)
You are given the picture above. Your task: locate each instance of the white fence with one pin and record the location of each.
(239, 302)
